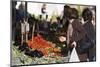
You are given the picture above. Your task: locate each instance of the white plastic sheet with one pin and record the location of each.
(74, 56)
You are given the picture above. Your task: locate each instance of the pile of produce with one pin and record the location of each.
(46, 47)
(19, 58)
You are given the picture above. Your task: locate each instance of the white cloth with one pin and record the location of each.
(24, 27)
(74, 56)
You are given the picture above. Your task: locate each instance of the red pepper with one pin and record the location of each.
(40, 44)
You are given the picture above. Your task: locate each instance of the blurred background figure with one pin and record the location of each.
(19, 14)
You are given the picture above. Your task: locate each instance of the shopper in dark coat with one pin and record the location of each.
(87, 16)
(76, 33)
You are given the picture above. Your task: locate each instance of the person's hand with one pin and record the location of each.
(73, 44)
(62, 38)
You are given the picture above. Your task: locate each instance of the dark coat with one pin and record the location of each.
(77, 35)
(78, 31)
(90, 30)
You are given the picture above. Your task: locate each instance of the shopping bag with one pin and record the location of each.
(74, 56)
